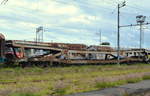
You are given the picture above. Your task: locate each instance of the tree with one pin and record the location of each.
(105, 43)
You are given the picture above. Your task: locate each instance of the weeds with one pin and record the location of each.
(24, 94)
(60, 88)
(146, 76)
(68, 80)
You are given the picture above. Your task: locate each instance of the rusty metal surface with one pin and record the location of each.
(70, 53)
(102, 48)
(95, 61)
(55, 45)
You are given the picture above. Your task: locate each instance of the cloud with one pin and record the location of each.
(73, 21)
(65, 10)
(85, 19)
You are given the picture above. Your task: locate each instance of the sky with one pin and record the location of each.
(74, 21)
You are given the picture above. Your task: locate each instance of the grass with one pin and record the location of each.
(23, 94)
(67, 80)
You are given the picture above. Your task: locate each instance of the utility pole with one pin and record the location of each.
(118, 33)
(141, 36)
(140, 22)
(99, 34)
(39, 34)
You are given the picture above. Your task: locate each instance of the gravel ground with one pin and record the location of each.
(147, 93)
(137, 88)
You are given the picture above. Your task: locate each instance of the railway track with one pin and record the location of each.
(65, 63)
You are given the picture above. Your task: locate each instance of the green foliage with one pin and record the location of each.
(105, 43)
(24, 94)
(134, 80)
(109, 84)
(7, 81)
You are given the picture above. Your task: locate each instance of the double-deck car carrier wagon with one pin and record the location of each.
(29, 53)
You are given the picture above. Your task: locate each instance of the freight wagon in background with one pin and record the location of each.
(29, 53)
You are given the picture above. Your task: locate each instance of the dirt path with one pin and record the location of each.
(120, 91)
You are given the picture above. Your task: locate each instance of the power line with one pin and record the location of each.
(97, 4)
(137, 8)
(140, 22)
(86, 5)
(129, 13)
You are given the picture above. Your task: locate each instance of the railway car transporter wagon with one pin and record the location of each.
(29, 53)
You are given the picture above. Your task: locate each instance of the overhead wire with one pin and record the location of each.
(84, 4)
(136, 8)
(91, 5)
(107, 3)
